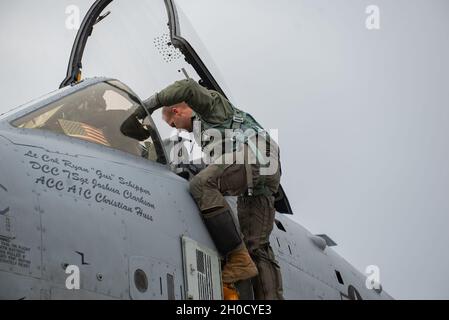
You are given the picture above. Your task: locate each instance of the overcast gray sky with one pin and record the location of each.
(363, 114)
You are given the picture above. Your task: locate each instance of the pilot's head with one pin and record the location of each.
(178, 116)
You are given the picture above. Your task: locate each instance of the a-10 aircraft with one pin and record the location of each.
(78, 196)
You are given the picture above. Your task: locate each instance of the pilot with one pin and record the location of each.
(247, 250)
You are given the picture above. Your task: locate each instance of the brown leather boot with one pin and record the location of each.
(230, 292)
(239, 266)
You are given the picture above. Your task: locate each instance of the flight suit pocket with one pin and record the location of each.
(233, 180)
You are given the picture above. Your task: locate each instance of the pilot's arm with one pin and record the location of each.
(199, 98)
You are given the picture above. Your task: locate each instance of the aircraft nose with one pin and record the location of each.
(4, 169)
(3, 150)
(5, 221)
(4, 209)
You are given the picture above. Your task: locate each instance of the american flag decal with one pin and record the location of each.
(83, 131)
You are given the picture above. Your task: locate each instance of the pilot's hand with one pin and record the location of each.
(140, 113)
(132, 128)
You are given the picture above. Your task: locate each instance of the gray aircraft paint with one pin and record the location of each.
(59, 220)
(52, 227)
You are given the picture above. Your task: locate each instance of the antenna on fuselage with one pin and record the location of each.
(184, 71)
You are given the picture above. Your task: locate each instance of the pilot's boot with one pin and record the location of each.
(239, 266)
(230, 292)
(228, 240)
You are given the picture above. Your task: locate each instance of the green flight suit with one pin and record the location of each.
(256, 213)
